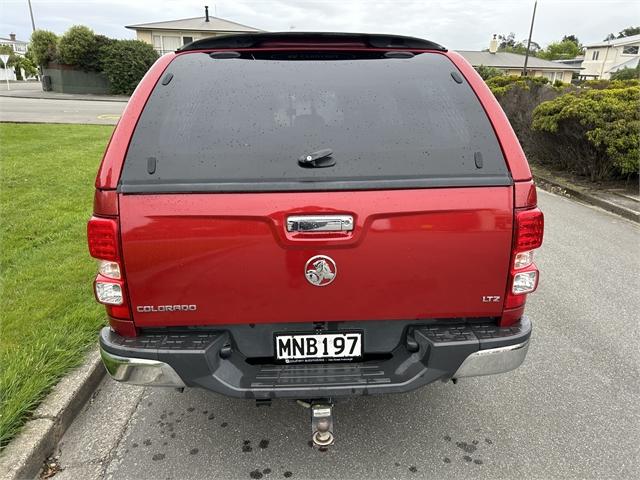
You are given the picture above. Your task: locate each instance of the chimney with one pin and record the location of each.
(206, 13)
(493, 44)
(12, 36)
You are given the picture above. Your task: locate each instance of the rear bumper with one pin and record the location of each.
(213, 361)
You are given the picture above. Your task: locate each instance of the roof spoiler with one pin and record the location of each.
(288, 39)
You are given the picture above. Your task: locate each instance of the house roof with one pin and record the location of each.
(570, 61)
(511, 60)
(615, 42)
(3, 39)
(214, 24)
(631, 63)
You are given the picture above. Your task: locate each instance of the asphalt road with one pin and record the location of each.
(59, 111)
(570, 411)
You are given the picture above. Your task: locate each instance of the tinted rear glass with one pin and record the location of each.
(241, 124)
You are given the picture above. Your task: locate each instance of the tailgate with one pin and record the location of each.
(227, 258)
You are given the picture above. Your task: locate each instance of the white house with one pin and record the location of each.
(603, 58)
(170, 35)
(19, 48)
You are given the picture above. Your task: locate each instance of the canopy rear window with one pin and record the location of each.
(241, 124)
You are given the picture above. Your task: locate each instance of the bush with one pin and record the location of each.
(125, 62)
(43, 47)
(79, 47)
(502, 84)
(488, 72)
(593, 132)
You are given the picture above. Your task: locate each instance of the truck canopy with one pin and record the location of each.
(212, 178)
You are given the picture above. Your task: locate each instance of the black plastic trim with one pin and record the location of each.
(439, 351)
(275, 186)
(255, 40)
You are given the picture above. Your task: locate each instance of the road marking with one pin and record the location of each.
(108, 117)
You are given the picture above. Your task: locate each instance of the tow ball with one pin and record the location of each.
(321, 421)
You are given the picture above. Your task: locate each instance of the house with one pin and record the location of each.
(170, 35)
(513, 63)
(19, 47)
(603, 58)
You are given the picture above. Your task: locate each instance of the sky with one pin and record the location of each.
(456, 24)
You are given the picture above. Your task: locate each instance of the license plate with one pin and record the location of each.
(320, 346)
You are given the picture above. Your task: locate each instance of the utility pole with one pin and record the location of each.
(33, 24)
(526, 56)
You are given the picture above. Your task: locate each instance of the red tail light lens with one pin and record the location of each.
(529, 228)
(523, 277)
(102, 235)
(110, 286)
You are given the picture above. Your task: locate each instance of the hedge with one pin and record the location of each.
(592, 131)
(125, 62)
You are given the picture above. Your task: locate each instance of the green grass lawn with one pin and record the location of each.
(48, 317)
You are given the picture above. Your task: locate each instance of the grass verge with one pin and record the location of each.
(48, 317)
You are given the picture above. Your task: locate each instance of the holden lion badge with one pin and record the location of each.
(320, 270)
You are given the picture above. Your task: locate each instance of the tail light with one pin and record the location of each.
(523, 277)
(109, 285)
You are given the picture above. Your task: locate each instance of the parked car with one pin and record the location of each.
(313, 216)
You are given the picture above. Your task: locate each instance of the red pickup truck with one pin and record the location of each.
(311, 216)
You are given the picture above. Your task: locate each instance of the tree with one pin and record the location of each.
(508, 43)
(125, 62)
(79, 46)
(626, 74)
(18, 63)
(43, 47)
(7, 50)
(572, 38)
(560, 50)
(627, 32)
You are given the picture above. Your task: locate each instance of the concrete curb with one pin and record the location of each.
(555, 186)
(24, 456)
(80, 98)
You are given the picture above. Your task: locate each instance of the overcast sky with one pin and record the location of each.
(456, 24)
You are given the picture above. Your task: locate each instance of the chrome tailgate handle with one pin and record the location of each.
(320, 223)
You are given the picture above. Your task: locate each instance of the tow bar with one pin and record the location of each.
(321, 421)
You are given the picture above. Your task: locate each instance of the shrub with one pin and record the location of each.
(593, 132)
(125, 62)
(43, 47)
(79, 47)
(502, 84)
(488, 72)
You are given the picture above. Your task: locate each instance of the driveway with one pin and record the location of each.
(41, 110)
(570, 411)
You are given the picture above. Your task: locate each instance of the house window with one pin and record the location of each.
(165, 43)
(630, 50)
(595, 55)
(186, 40)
